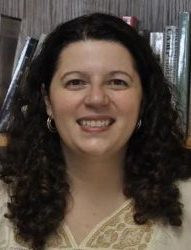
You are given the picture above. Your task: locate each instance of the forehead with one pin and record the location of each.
(90, 52)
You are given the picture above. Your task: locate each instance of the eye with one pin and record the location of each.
(75, 84)
(118, 84)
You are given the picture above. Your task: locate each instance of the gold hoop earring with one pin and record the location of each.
(139, 124)
(50, 127)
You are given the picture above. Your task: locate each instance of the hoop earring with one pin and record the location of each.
(139, 124)
(50, 127)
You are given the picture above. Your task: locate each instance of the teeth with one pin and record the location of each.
(95, 124)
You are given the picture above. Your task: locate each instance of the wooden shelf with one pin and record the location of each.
(3, 140)
(188, 142)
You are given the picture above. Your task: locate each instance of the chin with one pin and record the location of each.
(95, 152)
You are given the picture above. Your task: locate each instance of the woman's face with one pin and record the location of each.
(95, 98)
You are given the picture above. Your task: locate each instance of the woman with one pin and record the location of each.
(96, 161)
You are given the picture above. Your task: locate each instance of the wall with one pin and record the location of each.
(41, 16)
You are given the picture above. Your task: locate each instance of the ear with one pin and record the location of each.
(48, 106)
(46, 101)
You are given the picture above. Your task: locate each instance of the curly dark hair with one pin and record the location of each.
(34, 167)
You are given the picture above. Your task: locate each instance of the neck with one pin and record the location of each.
(98, 176)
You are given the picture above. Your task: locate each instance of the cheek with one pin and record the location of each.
(130, 106)
(62, 105)
(62, 112)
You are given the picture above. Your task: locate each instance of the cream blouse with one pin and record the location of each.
(117, 231)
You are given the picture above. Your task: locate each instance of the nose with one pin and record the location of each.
(97, 96)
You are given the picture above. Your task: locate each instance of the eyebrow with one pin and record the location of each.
(73, 72)
(112, 73)
(120, 72)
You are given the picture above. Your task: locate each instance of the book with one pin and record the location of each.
(21, 68)
(156, 41)
(39, 44)
(170, 53)
(20, 43)
(9, 32)
(183, 68)
(189, 116)
(131, 20)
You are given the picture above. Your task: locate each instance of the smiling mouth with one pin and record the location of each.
(101, 123)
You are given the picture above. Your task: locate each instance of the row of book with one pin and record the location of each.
(20, 65)
(171, 47)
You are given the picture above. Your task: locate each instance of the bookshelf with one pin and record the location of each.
(3, 140)
(188, 143)
(41, 16)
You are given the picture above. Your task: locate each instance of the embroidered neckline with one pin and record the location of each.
(95, 228)
(117, 231)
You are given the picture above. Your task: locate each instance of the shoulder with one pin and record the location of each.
(168, 237)
(4, 229)
(3, 193)
(4, 197)
(181, 236)
(185, 199)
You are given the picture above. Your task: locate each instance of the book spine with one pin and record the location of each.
(156, 41)
(131, 20)
(21, 67)
(39, 45)
(189, 115)
(183, 68)
(170, 53)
